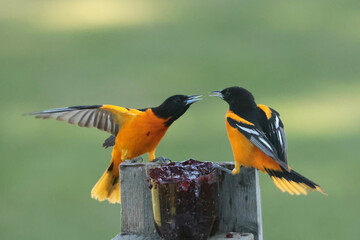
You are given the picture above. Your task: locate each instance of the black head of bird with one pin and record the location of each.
(175, 106)
(236, 97)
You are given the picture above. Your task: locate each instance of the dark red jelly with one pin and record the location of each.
(185, 200)
(229, 235)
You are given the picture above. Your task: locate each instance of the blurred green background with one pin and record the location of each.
(299, 57)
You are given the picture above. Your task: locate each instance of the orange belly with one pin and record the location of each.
(246, 153)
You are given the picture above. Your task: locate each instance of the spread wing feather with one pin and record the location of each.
(107, 118)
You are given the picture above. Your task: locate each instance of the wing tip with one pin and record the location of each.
(63, 109)
(32, 113)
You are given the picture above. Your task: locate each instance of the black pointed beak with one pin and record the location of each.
(216, 94)
(193, 98)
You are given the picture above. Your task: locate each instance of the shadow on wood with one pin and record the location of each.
(239, 198)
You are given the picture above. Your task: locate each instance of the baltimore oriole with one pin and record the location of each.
(134, 132)
(257, 138)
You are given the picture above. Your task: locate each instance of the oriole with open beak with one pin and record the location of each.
(134, 132)
(257, 138)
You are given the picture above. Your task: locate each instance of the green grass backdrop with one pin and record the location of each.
(299, 57)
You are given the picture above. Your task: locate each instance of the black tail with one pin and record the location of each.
(293, 182)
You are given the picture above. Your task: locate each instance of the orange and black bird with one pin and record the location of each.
(257, 138)
(134, 132)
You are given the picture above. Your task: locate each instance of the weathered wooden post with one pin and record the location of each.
(239, 198)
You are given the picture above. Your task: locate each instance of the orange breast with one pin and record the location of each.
(141, 135)
(246, 153)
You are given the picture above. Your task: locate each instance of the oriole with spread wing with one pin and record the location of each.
(257, 138)
(134, 132)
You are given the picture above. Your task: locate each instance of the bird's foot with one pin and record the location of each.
(161, 160)
(224, 169)
(235, 171)
(135, 160)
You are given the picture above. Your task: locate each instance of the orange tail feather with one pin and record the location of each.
(108, 186)
(293, 182)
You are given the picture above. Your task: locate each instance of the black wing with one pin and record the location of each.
(274, 131)
(259, 139)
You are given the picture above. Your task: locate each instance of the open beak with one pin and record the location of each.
(216, 94)
(193, 98)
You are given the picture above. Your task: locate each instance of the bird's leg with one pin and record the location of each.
(151, 155)
(135, 160)
(236, 169)
(161, 160)
(217, 166)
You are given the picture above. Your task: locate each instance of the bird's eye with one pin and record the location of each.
(226, 93)
(177, 100)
